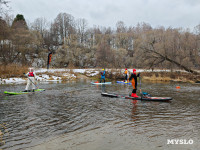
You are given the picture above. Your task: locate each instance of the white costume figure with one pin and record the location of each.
(31, 80)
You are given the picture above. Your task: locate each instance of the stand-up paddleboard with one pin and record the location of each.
(122, 82)
(21, 92)
(143, 98)
(98, 83)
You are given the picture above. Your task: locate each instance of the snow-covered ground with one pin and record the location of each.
(66, 74)
(42, 70)
(52, 75)
(12, 80)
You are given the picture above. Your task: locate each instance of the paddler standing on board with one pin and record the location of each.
(133, 80)
(31, 80)
(103, 73)
(126, 75)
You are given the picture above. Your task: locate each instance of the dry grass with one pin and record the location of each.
(12, 70)
(115, 74)
(51, 78)
(66, 78)
(170, 76)
(157, 78)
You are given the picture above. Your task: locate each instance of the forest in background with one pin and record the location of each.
(74, 44)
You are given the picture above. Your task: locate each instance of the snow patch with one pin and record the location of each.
(12, 80)
(68, 74)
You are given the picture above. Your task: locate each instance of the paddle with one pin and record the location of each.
(31, 81)
(140, 88)
(143, 94)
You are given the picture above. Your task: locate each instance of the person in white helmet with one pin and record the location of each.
(31, 80)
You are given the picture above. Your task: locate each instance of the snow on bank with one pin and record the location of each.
(68, 74)
(60, 76)
(52, 75)
(12, 80)
(42, 70)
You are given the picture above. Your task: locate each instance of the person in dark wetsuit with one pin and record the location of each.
(103, 75)
(133, 80)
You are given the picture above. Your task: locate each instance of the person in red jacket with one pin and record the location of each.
(133, 80)
(31, 80)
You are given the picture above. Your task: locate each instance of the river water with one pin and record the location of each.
(74, 116)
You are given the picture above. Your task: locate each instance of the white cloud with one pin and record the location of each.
(174, 13)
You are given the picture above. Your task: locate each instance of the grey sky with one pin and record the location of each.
(173, 13)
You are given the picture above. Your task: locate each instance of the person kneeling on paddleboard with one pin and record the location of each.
(31, 80)
(133, 80)
(103, 75)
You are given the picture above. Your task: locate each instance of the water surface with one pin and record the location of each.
(74, 115)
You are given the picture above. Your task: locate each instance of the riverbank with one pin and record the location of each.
(179, 76)
(60, 75)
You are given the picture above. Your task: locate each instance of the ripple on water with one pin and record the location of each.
(84, 118)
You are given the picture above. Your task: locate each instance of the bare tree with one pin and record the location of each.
(81, 25)
(65, 26)
(104, 54)
(18, 44)
(41, 25)
(121, 36)
(159, 48)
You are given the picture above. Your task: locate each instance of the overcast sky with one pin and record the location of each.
(167, 13)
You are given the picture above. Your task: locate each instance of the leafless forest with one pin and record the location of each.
(75, 44)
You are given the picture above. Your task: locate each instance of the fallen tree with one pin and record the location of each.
(158, 57)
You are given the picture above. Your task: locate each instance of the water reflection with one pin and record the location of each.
(134, 110)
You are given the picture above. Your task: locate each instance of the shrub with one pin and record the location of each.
(12, 70)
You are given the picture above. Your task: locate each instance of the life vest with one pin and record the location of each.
(126, 72)
(103, 74)
(31, 74)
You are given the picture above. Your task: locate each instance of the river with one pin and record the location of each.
(74, 116)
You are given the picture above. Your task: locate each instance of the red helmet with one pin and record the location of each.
(134, 71)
